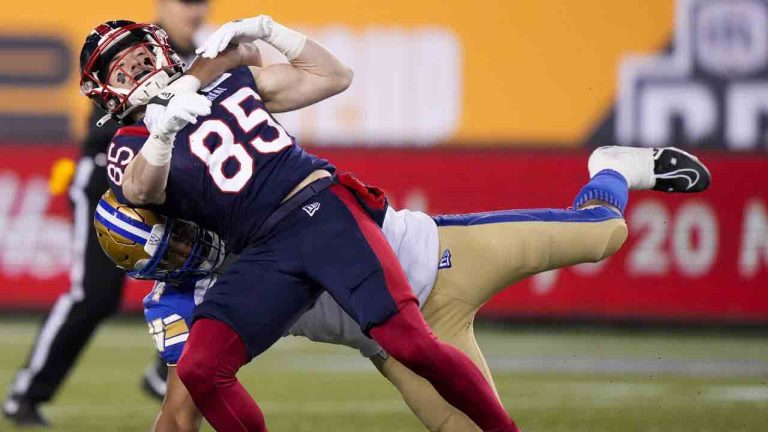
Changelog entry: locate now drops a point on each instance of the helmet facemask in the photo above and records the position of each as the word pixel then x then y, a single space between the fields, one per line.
pixel 147 83
pixel 132 40
pixel 179 251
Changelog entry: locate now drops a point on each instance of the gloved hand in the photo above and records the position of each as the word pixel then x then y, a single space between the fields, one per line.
pixel 239 31
pixel 182 108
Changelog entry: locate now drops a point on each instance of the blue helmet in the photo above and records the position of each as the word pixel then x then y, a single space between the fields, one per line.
pixel 150 246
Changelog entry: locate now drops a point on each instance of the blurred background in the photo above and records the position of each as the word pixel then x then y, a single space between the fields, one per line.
pixel 462 106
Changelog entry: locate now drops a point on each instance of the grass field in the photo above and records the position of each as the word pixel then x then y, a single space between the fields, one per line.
pixel 598 380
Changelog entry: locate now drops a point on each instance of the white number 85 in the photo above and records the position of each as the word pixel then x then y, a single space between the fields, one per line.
pixel 228 148
pixel 117 160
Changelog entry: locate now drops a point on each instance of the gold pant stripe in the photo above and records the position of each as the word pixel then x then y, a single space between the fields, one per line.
pixel 485 260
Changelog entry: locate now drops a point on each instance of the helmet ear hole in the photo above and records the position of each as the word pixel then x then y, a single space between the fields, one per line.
pixel 87 87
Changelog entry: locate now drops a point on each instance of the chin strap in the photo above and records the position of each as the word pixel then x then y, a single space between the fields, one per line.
pixel 103 120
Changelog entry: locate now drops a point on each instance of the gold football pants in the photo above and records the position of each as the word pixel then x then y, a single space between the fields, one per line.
pixel 485 259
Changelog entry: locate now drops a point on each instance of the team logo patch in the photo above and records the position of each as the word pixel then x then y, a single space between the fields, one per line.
pixel 445 260
pixel 154 239
pixel 311 209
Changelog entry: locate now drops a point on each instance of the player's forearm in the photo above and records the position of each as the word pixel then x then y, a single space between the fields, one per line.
pixel 314 73
pixel 317 60
pixel 178 412
pixel 309 56
pixel 144 183
pixel 250 54
pixel 207 70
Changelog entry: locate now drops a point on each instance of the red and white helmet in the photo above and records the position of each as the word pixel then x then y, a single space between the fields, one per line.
pixel 98 62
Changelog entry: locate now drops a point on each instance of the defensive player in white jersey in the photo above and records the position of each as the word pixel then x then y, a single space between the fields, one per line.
pixel 454 263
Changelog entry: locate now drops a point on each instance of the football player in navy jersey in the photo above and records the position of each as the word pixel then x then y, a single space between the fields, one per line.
pixel 454 263
pixel 217 157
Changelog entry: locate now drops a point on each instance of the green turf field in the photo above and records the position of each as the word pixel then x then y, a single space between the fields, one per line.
pixel 549 380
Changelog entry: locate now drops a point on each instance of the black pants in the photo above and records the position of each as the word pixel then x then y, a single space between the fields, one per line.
pixel 95 293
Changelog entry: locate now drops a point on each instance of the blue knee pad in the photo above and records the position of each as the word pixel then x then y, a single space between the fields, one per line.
pixel 607 185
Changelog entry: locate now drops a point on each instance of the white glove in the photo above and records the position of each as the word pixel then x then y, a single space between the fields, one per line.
pixel 157 105
pixel 166 114
pixel 239 31
pixel 182 109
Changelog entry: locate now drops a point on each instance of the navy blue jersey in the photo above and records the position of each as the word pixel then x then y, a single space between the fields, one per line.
pixel 229 171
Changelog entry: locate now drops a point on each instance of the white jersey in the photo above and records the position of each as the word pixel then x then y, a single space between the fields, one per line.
pixel 413 237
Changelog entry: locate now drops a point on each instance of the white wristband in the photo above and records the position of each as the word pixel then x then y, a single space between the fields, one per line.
pixel 287 41
pixel 157 149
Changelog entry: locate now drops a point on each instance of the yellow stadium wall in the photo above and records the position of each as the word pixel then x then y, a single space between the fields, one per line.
pixel 534 71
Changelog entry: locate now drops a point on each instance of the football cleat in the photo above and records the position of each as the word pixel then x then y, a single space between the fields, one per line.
pixel 23 413
pixel 677 171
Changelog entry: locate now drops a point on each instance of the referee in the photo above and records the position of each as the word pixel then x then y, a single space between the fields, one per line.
pixel 96 283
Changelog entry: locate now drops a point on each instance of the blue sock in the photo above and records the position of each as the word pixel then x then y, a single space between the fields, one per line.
pixel 607 185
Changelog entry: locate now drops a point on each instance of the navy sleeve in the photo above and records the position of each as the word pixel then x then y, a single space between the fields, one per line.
pixel 125 145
